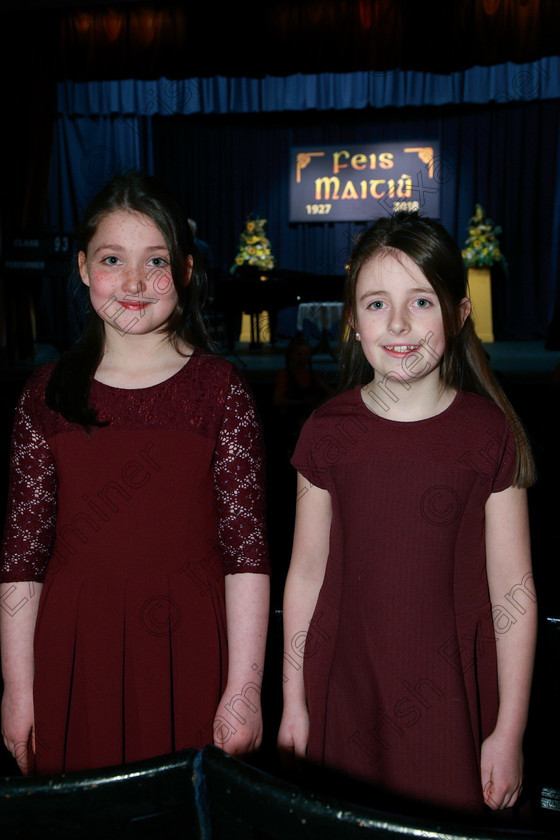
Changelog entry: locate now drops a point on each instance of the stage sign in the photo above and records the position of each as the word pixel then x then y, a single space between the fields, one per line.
pixel 361 182
pixel 38 255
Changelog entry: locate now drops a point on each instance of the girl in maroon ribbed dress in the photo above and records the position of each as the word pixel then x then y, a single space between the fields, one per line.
pixel 134 566
pixel 409 609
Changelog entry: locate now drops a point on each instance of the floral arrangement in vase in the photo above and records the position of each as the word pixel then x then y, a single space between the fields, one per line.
pixel 254 247
pixel 482 248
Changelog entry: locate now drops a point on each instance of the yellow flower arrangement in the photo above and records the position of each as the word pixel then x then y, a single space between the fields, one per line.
pixel 482 248
pixel 254 247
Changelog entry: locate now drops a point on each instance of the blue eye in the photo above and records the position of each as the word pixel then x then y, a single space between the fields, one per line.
pixel 422 303
pixel 377 304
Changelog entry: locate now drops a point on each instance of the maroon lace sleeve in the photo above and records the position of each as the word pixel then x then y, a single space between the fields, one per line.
pixel 240 485
pixel 31 512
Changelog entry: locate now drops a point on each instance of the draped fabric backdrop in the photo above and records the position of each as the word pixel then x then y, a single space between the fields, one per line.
pixel 223 144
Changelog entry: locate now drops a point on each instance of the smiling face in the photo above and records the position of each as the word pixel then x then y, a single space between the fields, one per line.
pixel 127 269
pixel 399 319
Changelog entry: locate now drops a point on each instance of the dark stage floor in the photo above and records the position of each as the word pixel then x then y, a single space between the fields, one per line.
pixel 522 360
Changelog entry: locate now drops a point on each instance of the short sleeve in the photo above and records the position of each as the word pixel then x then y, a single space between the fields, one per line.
pixel 308 458
pixel 239 477
pixel 507 460
pixel 31 511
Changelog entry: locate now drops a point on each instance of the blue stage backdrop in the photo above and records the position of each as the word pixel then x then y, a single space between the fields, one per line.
pixel 225 146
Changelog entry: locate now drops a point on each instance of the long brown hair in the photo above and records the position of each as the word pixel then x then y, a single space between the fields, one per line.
pixel 70 383
pixel 464 365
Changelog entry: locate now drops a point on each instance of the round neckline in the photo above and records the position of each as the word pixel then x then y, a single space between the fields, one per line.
pixel 166 381
pixel 397 423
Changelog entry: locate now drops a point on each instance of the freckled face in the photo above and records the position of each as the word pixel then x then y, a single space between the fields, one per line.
pixel 127 269
pixel 399 318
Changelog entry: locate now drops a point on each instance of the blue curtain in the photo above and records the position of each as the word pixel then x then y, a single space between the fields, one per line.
pixel 87 151
pixel 500 83
pixel 504 157
pixel 223 145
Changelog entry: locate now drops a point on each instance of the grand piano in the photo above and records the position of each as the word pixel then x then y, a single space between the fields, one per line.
pixel 253 291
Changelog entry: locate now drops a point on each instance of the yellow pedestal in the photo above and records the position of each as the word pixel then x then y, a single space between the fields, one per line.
pixel 263 328
pixel 245 334
pixel 480 294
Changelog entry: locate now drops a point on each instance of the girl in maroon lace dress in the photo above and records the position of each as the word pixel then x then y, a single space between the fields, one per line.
pixel 411 536
pixel 134 566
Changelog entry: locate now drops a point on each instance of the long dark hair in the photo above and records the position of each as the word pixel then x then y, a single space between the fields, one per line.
pixel 70 382
pixel 464 365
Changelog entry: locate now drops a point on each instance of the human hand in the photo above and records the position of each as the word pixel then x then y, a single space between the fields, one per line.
pixel 501 771
pixel 293 734
pixel 18 729
pixel 244 734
